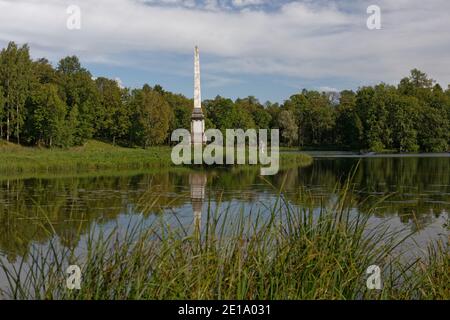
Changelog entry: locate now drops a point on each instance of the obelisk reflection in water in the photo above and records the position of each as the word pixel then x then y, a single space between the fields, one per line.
pixel 197 182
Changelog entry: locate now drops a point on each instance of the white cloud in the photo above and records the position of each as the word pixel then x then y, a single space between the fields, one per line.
pixel 119 82
pixel 306 39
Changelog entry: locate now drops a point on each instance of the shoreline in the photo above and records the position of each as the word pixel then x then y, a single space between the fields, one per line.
pixel 355 154
pixel 96 158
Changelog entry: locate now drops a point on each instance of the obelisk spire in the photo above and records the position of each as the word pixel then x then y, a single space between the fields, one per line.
pixel 197 118
pixel 197 90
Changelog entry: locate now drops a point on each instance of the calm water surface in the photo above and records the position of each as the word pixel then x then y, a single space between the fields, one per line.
pixel 32 211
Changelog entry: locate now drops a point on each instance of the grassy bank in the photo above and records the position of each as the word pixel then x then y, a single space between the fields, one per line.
pixel 290 253
pixel 95 157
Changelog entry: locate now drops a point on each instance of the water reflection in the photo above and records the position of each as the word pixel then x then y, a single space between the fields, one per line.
pixel 35 210
pixel 197 183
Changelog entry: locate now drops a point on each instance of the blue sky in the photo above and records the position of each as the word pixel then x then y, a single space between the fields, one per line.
pixel 265 48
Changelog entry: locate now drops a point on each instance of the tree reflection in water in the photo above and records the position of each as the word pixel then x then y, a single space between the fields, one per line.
pixel 35 210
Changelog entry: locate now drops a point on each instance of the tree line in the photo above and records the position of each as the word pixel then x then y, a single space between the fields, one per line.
pixel 64 106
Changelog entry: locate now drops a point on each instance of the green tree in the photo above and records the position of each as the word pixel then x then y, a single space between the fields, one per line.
pixel 78 88
pixel 434 132
pixel 2 111
pixel 43 72
pixel 152 117
pixel 113 120
pixel 314 116
pixel 261 118
pixel 403 119
pixel 274 110
pixel 48 117
pixel 72 126
pixel 417 84
pixel 15 72
pixel 288 127
pixel 420 79
pixel 182 110
pixel 349 128
pixel 373 112
pixel 222 113
pixel 225 114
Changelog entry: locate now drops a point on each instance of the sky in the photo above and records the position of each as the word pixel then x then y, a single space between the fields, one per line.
pixel 265 48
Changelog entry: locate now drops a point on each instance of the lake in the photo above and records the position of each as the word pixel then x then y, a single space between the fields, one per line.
pixel 410 192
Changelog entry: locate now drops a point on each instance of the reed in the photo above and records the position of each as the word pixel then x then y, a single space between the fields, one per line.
pixel 284 252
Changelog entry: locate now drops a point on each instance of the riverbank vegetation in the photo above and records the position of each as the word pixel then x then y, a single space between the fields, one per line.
pixel 92 156
pixel 99 157
pixel 64 106
pixel 287 253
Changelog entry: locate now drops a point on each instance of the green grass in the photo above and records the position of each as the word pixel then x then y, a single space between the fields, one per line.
pixel 95 157
pixel 293 253
pixel 292 160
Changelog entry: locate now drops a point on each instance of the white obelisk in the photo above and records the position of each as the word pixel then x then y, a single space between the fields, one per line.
pixel 197 118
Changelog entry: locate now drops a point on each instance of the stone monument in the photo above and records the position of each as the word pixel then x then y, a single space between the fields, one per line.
pixel 197 118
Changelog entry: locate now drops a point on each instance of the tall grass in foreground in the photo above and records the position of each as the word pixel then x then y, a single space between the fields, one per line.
pixel 288 253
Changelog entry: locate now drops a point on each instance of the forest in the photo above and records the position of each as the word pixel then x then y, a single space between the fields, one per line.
pixel 64 106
